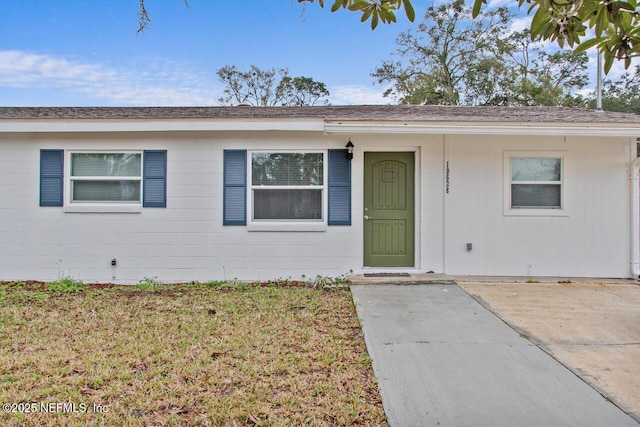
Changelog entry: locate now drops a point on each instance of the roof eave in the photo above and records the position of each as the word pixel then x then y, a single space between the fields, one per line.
pixel 484 128
pixel 319 125
pixel 176 125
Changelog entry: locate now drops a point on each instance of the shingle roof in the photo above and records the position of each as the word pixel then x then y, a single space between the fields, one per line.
pixel 393 113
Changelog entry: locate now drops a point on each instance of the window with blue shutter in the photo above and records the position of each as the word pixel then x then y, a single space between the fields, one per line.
pixel 235 187
pixel 51 177
pixel 154 179
pixel 339 187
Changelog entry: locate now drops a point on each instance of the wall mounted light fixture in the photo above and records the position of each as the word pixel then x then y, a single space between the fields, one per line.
pixel 350 147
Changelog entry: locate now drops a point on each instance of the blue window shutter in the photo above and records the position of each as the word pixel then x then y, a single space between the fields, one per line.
pixel 339 188
pixel 235 187
pixel 51 177
pixel 154 185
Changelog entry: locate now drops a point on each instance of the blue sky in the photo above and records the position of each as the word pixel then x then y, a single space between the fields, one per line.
pixel 86 52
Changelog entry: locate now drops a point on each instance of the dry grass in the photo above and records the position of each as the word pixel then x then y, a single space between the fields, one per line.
pixel 188 355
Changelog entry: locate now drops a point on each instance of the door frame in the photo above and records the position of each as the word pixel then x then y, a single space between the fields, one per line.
pixel 417 204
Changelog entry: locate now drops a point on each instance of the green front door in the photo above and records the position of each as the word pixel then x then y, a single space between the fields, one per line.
pixel 389 209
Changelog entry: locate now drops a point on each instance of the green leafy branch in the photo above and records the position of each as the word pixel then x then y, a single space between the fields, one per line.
pixel 615 25
pixel 375 10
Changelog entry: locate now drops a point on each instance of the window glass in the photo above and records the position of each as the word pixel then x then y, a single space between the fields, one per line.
pixel 535 196
pixel 106 191
pixel 105 164
pixel 535 169
pixel 536 183
pixel 100 177
pixel 287 169
pixel 287 186
pixel 287 204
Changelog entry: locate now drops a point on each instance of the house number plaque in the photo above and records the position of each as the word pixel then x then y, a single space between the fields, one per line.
pixel 447 178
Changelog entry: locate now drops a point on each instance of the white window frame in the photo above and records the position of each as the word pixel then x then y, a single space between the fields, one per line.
pixel 286 225
pixel 508 210
pixel 100 206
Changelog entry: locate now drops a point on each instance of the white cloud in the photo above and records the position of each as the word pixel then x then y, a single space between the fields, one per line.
pixel 357 95
pixel 141 82
pixel 155 82
pixel 494 4
pixel 520 24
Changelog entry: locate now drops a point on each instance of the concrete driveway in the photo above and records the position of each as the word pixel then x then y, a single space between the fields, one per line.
pixel 591 327
pixel 442 359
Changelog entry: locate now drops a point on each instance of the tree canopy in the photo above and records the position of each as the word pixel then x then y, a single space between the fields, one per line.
pixel 450 59
pixel 620 95
pixel 269 87
pixel 615 23
pixel 438 61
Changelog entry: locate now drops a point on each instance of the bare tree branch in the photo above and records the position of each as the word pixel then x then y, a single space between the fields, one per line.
pixel 144 19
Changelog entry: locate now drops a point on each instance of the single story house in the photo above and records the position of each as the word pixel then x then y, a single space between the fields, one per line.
pixel 214 193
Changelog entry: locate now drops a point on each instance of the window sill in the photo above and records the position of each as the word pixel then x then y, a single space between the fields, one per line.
pixel 103 209
pixel 536 212
pixel 286 226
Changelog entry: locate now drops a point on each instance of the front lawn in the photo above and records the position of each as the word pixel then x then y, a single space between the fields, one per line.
pixel 183 355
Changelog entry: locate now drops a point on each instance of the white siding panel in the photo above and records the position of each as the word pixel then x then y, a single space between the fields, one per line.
pixel 186 240
pixel 593 240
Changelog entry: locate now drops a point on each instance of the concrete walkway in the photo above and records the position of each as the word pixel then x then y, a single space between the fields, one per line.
pixel 442 359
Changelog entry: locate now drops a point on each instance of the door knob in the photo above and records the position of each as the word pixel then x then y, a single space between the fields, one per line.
pixel 367 218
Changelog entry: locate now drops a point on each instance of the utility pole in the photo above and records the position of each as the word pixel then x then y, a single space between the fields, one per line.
pixel 599 83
